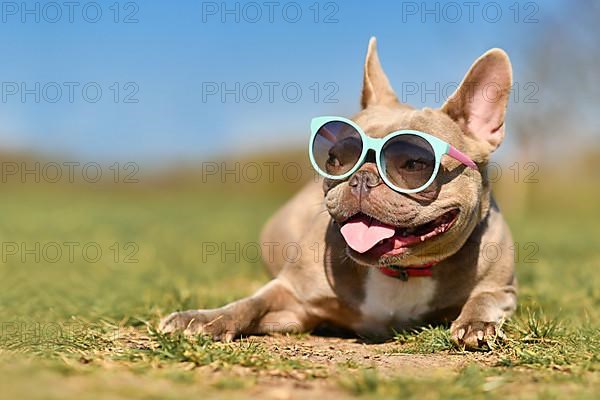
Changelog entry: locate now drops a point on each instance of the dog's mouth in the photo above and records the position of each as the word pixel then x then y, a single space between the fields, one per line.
pixel 367 235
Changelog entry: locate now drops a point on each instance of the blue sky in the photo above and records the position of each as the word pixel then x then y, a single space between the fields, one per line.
pixel 177 50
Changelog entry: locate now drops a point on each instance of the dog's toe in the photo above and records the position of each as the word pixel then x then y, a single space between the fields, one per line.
pixel 474 335
pixel 217 325
pixel 177 321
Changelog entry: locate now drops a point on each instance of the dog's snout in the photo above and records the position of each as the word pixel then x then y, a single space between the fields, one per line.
pixel 363 181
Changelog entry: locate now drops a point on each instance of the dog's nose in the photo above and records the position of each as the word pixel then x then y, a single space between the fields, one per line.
pixel 363 181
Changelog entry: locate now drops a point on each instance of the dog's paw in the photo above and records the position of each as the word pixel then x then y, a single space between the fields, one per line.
pixel 214 323
pixel 474 335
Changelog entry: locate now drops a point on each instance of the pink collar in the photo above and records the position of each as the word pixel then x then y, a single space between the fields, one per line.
pixel 413 271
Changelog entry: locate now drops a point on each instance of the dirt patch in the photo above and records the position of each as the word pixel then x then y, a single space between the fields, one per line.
pixel 327 362
pixel 385 358
pixel 286 367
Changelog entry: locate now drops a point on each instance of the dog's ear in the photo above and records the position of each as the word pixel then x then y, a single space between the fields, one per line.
pixel 479 103
pixel 376 86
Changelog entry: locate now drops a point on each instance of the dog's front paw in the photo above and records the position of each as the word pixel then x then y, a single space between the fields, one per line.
pixel 473 335
pixel 214 323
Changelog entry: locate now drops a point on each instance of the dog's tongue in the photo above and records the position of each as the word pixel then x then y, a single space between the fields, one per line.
pixel 363 233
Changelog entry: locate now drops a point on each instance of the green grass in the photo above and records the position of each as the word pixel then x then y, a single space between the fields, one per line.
pixel 429 339
pixel 202 351
pixel 474 382
pixel 80 329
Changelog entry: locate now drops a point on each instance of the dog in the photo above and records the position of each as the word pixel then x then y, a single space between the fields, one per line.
pixel 446 277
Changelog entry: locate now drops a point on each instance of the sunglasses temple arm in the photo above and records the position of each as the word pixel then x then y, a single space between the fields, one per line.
pixel 460 156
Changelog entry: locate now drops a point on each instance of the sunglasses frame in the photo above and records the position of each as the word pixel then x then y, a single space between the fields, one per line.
pixel 439 147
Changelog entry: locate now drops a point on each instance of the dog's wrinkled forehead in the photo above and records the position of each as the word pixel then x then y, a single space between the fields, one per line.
pixel 379 122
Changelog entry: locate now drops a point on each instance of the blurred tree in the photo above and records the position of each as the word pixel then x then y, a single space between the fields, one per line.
pixel 565 67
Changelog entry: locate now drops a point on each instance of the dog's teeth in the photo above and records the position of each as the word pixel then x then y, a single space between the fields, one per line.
pixel 380 242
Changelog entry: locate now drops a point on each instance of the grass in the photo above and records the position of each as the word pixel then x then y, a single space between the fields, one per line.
pixel 201 351
pixel 429 339
pixel 73 328
pixel 473 382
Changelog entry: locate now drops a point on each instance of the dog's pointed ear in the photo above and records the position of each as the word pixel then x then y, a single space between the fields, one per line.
pixel 479 103
pixel 376 86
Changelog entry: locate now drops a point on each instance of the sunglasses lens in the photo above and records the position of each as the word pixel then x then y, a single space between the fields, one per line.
pixel 409 161
pixel 336 148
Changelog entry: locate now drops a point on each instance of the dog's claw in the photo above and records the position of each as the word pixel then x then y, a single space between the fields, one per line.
pixel 475 334
pixel 170 323
pixel 229 336
pixel 200 322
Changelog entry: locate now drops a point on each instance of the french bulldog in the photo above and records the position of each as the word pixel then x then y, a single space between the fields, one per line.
pixel 446 275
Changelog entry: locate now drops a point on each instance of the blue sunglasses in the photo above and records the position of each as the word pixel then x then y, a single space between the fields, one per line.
pixel 407 160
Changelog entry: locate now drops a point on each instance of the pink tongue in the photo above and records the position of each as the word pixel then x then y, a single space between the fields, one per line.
pixel 363 233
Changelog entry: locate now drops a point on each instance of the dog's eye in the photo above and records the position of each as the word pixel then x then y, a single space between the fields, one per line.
pixel 333 161
pixel 343 155
pixel 414 165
